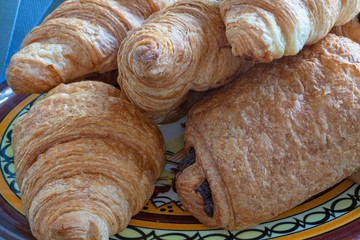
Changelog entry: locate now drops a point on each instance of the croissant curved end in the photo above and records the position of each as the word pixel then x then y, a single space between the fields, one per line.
pixel 268 43
pixel 79 225
pixel 17 77
pixel 147 52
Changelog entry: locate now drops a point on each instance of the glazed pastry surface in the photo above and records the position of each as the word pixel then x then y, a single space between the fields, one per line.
pixel 180 48
pixel 278 135
pixel 86 161
pixel 263 30
pixel 77 39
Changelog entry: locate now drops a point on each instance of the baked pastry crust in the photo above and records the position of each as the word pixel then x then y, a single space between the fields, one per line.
pixel 280 134
pixel 178 49
pixel 77 39
pixel 263 30
pixel 86 161
pixel 350 29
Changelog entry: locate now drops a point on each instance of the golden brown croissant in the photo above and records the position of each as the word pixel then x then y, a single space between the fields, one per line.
pixel 86 161
pixel 350 29
pixel 263 30
pixel 78 38
pixel 275 137
pixel 180 48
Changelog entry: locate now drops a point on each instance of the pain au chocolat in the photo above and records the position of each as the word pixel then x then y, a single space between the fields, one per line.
pixel 280 134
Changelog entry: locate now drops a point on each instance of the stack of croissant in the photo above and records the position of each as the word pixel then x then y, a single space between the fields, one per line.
pixel 272 100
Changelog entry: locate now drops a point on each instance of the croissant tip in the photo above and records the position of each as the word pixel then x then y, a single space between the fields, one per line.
pixel 78 225
pixel 147 53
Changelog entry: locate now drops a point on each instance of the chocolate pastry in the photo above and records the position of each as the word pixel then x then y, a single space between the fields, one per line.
pixel 275 137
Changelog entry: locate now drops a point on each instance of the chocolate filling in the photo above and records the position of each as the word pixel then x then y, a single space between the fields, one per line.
pixel 205 192
pixel 358 16
pixel 203 189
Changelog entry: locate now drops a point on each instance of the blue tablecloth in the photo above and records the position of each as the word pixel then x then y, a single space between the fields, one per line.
pixel 17 18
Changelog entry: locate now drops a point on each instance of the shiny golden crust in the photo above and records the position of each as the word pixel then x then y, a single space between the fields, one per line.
pixel 263 30
pixel 78 38
pixel 181 48
pixel 86 161
pixel 278 135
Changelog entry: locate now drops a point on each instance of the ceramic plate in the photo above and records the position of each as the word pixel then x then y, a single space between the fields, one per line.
pixel 333 214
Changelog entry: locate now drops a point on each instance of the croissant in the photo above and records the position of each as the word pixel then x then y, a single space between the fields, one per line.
pixel 86 161
pixel 263 30
pixel 350 29
pixel 77 39
pixel 270 140
pixel 180 48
